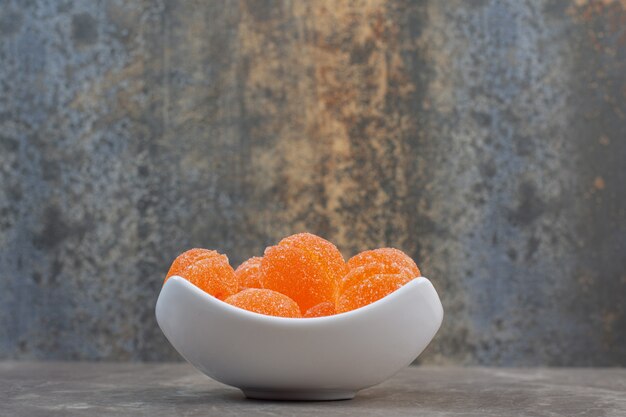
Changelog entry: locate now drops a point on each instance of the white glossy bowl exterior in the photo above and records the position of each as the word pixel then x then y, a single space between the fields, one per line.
pixel 323 358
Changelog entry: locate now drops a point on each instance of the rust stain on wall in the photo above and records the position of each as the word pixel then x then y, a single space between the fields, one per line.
pixel 339 79
pixel 610 19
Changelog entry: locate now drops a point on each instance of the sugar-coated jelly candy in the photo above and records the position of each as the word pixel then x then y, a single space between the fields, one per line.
pixel 186 258
pixel 249 273
pixel 321 310
pixel 304 267
pixel 386 256
pixel 321 250
pixel 291 271
pixel 369 290
pixel 268 302
pixel 213 275
pixel 358 274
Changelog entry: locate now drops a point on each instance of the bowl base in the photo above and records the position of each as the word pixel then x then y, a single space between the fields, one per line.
pixel 321 395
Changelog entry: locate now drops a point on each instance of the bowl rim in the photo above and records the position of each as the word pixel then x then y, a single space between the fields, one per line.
pixel 296 321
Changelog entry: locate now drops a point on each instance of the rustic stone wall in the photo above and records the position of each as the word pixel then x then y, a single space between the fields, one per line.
pixel 485 138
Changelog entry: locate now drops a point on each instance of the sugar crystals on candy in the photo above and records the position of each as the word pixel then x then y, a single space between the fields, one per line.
pixel 249 273
pixel 386 256
pixel 186 258
pixel 326 308
pixel 361 273
pixel 304 275
pixel 369 290
pixel 266 302
pixel 213 275
pixel 304 267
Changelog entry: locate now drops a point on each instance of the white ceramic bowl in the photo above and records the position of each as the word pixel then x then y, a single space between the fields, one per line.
pixel 324 358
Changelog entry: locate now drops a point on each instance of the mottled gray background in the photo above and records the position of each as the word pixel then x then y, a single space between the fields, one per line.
pixel 484 138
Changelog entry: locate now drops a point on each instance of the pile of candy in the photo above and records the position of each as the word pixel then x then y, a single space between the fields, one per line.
pixel 303 276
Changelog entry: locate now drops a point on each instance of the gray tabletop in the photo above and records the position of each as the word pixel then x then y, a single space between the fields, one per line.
pixel 108 389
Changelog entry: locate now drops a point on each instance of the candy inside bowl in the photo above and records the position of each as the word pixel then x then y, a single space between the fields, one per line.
pixel 323 358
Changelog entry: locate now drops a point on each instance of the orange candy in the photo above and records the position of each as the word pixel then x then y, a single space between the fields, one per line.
pixel 369 290
pixel 321 310
pixel 321 250
pixel 213 275
pixel 303 273
pixel 249 273
pixel 186 258
pixel 361 273
pixel 266 302
pixel 386 256
pixel 304 267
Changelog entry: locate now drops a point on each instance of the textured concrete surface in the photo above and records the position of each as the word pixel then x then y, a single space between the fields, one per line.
pixel 73 389
pixel 485 138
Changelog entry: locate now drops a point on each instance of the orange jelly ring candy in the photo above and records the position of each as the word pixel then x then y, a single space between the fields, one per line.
pixel 387 256
pixel 213 275
pixel 321 310
pixel 370 290
pixel 295 273
pixel 186 258
pixel 360 273
pixel 268 302
pixel 321 250
pixel 249 274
